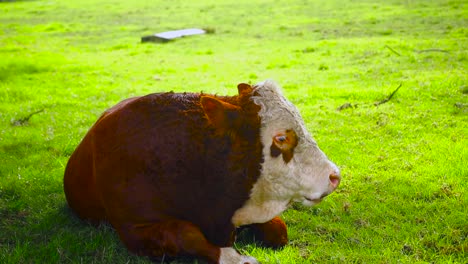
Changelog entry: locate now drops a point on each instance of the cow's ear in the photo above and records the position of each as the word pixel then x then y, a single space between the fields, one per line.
pixel 221 115
pixel 244 88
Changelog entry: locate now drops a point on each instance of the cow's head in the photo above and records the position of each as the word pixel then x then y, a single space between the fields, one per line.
pixel 294 168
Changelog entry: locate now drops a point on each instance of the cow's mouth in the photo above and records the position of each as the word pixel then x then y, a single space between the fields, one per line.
pixel 316 200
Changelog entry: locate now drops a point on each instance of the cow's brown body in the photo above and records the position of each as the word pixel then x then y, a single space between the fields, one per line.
pixel 169 171
pixel 152 162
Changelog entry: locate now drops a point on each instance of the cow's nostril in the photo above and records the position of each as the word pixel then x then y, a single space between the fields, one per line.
pixel 335 180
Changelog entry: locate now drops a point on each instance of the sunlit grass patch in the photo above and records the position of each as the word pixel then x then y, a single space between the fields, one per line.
pixel 403 196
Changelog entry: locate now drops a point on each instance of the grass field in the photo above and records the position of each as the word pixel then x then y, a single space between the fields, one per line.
pixel 404 196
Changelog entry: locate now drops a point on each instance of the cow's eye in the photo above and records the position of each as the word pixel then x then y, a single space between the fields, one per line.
pixel 281 139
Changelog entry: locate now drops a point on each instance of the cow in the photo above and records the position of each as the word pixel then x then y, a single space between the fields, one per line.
pixel 180 173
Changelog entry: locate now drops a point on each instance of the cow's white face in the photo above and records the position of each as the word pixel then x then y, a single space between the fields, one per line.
pixel 294 168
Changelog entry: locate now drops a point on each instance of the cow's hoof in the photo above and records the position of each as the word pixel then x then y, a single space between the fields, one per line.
pixel 230 256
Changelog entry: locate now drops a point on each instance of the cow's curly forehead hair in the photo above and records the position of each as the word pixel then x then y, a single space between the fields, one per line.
pixel 276 110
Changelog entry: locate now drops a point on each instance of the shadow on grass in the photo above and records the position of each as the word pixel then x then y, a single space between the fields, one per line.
pixel 52 233
pixel 14 69
pixel 77 240
pixel 106 247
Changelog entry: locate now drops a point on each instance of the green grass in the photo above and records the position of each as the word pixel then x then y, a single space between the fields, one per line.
pixel 405 163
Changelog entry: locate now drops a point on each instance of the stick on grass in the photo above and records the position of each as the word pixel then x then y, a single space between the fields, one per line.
pixel 389 97
pixel 392 50
pixel 432 50
pixel 25 119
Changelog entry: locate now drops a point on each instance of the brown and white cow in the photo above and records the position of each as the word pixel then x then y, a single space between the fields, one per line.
pixel 177 173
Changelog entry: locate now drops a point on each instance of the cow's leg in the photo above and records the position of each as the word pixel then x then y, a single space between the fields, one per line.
pixel 174 238
pixel 273 233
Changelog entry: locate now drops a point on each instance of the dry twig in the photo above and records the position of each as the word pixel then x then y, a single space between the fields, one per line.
pixel 25 119
pixel 392 50
pixel 389 97
pixel 431 50
pixel 345 106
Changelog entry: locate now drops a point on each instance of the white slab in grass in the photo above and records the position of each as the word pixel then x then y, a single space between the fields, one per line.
pixel 170 35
